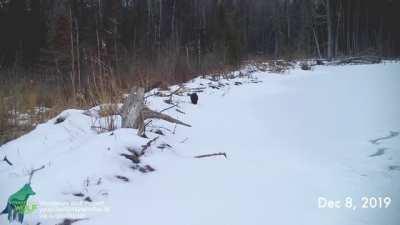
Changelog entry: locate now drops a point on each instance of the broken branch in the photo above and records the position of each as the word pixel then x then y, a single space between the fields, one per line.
pixel 7 161
pixel 173 106
pixel 211 155
pixel 33 172
pixel 146 146
pixel 147 114
pixel 134 112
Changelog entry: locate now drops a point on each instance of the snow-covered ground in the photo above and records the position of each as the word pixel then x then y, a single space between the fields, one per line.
pixel 291 140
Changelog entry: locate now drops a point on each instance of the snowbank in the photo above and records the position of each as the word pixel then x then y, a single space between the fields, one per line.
pixel 290 139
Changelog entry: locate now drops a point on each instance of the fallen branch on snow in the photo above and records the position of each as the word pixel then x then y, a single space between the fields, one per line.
pixel 135 156
pixel 33 172
pixel 211 155
pixel 173 106
pixel 146 146
pixel 7 161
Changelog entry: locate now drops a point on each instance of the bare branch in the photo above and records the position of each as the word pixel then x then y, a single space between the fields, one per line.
pixel 33 172
pixel 148 113
pixel 7 161
pixel 173 106
pixel 134 112
pixel 146 146
pixel 211 155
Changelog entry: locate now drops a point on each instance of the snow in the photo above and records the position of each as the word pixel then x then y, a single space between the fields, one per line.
pixel 289 138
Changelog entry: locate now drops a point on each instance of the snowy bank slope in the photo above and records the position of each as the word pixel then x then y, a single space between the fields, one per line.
pixel 290 139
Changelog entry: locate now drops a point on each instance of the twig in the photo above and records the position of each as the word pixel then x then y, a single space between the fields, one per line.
pixel 211 155
pixel 100 128
pixel 146 146
pixel 174 92
pixel 144 127
pixel 7 161
pixel 173 106
pixel 161 127
pixel 33 172
pixel 180 111
pixel 184 140
pixel 169 100
pixel 148 123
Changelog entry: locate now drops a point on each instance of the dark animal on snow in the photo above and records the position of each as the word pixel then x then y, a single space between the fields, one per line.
pixel 194 98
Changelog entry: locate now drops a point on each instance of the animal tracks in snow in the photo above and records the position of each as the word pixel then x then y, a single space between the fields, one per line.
pixel 379 140
pixel 381 151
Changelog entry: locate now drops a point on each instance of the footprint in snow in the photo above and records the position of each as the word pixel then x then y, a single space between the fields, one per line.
pixel 381 151
pixel 377 141
pixel 394 167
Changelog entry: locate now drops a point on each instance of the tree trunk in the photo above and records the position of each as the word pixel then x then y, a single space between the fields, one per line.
pixel 78 56
pixel 134 112
pixel 132 108
pixel 330 30
pixel 72 52
pixel 316 42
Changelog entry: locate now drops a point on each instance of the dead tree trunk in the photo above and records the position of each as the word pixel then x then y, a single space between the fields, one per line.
pixel 134 112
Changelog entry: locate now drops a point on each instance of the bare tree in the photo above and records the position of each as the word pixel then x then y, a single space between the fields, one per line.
pixel 329 25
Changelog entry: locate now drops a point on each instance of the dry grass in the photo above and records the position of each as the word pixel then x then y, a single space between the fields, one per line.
pixel 24 103
pixel 29 98
pixel 22 106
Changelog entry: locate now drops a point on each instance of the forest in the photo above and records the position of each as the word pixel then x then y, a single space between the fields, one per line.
pixel 81 52
pixel 199 112
pixel 70 36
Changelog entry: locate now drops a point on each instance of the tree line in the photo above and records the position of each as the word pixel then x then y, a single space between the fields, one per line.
pixel 76 37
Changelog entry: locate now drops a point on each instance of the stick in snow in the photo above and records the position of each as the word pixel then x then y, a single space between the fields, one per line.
pixel 7 161
pixel 146 146
pixel 33 172
pixel 173 106
pixel 211 155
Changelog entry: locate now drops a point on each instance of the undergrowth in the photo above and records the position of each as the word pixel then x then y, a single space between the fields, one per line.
pixel 35 98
